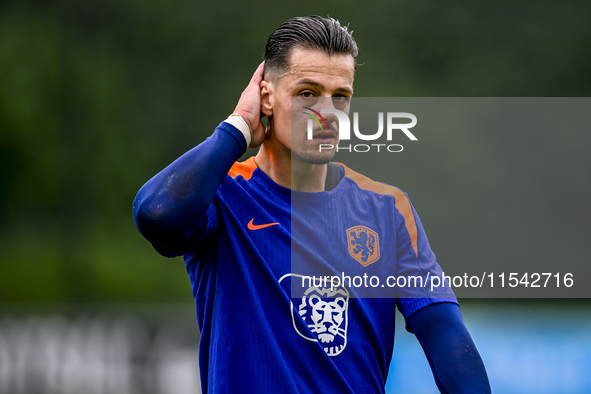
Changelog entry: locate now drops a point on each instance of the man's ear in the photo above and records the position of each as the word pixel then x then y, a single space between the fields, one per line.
pixel 267 96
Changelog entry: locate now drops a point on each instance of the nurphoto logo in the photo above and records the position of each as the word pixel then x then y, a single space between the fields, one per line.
pixel 345 130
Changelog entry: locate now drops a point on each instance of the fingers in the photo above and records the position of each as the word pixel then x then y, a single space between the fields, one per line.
pixel 257 77
pixel 249 106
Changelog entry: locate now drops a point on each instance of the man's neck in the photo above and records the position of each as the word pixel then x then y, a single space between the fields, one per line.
pixel 291 173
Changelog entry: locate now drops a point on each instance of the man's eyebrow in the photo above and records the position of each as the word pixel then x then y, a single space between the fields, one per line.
pixel 319 85
pixel 310 82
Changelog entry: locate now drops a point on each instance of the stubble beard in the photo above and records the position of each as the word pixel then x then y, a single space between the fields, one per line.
pixel 314 157
pixel 310 153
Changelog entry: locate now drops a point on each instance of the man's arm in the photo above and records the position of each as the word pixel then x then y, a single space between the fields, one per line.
pixel 452 355
pixel 170 210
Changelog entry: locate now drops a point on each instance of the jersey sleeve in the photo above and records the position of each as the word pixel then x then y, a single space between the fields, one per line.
pixel 451 353
pixel 416 262
pixel 174 210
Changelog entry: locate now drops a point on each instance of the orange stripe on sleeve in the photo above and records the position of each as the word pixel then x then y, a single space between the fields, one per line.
pixel 402 202
pixel 246 168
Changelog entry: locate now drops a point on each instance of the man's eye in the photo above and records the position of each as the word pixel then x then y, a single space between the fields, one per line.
pixel 340 98
pixel 307 94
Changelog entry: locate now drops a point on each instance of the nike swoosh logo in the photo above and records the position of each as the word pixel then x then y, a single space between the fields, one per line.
pixel 252 226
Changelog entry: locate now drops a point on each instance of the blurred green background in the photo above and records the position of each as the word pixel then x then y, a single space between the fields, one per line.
pixel 98 96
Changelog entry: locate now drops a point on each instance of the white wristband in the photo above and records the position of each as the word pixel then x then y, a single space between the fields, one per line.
pixel 239 122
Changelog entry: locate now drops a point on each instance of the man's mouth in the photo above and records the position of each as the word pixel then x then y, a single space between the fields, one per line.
pixel 324 137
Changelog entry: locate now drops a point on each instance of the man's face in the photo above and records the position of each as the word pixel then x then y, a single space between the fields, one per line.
pixel 315 81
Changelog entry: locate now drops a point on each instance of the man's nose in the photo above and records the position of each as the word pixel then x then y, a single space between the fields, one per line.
pixel 327 103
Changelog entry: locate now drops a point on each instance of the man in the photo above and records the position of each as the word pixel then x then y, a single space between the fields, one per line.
pixel 240 234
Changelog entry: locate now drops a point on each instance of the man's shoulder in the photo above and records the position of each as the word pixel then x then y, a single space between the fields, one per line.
pixel 366 183
pixel 244 169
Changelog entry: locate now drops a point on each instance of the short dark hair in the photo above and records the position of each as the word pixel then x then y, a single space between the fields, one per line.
pixel 308 32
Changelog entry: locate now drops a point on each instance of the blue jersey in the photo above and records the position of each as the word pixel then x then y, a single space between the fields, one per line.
pixel 258 243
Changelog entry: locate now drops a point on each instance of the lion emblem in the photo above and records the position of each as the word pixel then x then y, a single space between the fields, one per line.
pixel 323 311
pixel 363 244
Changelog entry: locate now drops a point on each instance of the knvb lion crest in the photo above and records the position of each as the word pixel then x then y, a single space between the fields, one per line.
pixel 363 244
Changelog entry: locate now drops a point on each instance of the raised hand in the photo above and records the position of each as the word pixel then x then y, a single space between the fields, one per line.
pixel 249 107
